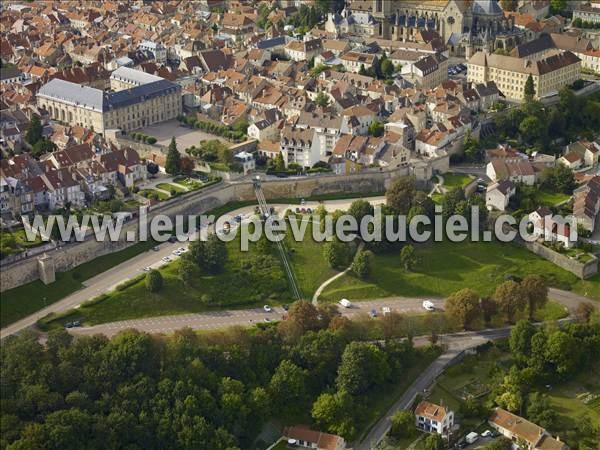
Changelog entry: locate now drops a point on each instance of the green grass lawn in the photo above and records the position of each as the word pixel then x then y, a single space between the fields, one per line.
pixel 437 198
pixel 162 196
pixel 24 300
pixel 573 400
pixel 168 186
pixel 309 264
pixel 552 198
pixel 456 180
pixel 188 182
pixel 445 267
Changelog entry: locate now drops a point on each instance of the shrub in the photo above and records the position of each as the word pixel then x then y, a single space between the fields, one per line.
pixel 154 281
pixel 151 140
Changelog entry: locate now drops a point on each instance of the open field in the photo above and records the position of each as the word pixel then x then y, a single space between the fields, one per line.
pixel 445 267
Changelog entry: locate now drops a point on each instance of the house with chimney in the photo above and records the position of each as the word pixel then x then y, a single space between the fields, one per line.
pixel 524 434
pixel 432 418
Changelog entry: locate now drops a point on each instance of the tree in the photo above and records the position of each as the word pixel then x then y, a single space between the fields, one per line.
pixel 154 281
pixel 322 99
pixel 288 388
pixel 43 146
pixel 334 412
pixel 408 257
pixel 529 89
pixel 540 411
pixel 278 163
pixel 186 165
pixel 535 289
pixel 210 255
pixel 584 312
pixel 558 5
pixel 376 128
pixel 152 168
pixel 387 68
pixel 563 351
pixel 304 314
pixel 187 269
pixel 471 148
pixel 337 254
pixel 434 442
pixel 402 424
pixel 362 70
pixel 400 194
pixel 173 162
pixel 463 306
pixel 361 266
pixel 520 340
pixel 510 298
pixel 34 132
pixel 363 365
pixel 359 209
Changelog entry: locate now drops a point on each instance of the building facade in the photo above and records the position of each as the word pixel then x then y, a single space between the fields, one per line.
pixel 510 74
pixel 127 109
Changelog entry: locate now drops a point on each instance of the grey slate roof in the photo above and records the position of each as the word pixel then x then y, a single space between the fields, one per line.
pixel 73 93
pixel 100 101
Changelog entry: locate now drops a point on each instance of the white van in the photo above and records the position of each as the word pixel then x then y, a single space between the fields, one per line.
pixel 471 437
pixel 345 303
pixel 429 306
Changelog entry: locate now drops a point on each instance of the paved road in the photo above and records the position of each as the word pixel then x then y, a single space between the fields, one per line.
pixel 456 344
pixel 244 317
pixel 107 281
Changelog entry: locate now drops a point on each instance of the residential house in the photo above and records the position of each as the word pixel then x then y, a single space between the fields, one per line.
pixel 549 228
pixel 354 61
pixel 427 72
pixel 586 203
pixel 62 189
pixel 498 195
pixel 305 438
pixel 517 170
pixel 303 50
pixel 298 145
pixel 589 152
pixel 572 160
pixel 523 433
pixel 432 418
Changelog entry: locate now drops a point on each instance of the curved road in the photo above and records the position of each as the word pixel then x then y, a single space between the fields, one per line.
pixel 107 281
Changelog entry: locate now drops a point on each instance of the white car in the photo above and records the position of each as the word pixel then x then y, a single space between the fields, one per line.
pixel 486 433
pixel 166 259
pixel 385 310
pixel 176 252
pixel 429 306
pixel 267 308
pixel 182 249
pixel 146 269
pixel 345 303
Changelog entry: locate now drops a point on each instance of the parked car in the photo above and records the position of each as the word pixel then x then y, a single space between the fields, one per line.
pixel 77 323
pixel 386 310
pixel 266 319
pixel 285 307
pixel 471 437
pixel 345 303
pixel 429 306
pixel 69 325
pixel 373 313
pixel 486 433
pixel 267 308
pixel 155 248
pixel 173 239
pixel 166 259
pixel 146 269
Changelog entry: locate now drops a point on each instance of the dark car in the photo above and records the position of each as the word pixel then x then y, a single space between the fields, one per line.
pixel 285 307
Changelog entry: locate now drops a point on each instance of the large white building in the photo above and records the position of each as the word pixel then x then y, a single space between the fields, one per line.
pixel 510 73
pixel 142 101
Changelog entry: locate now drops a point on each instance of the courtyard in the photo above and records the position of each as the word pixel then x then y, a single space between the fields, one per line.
pixel 184 136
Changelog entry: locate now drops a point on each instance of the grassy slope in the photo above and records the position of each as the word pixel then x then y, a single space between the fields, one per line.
pixel 19 302
pixel 445 267
pixel 226 290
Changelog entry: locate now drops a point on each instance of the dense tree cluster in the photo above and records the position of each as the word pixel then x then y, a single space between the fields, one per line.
pixel 190 391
